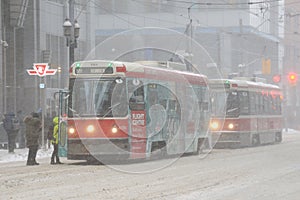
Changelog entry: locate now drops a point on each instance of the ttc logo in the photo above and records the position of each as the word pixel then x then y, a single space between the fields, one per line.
pixel 41 69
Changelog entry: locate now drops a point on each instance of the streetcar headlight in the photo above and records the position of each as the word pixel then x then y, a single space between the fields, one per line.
pixel 230 126
pixel 71 130
pixel 90 128
pixel 114 129
pixel 214 125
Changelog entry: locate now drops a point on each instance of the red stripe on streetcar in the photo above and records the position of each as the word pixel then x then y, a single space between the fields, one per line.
pixel 102 128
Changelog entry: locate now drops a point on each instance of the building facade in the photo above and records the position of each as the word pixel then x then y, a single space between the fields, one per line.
pixel 234 37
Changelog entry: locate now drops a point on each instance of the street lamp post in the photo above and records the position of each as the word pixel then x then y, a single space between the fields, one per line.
pixel 71 32
pixel 4 44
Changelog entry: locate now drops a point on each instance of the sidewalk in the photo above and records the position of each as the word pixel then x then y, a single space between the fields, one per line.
pixel 21 155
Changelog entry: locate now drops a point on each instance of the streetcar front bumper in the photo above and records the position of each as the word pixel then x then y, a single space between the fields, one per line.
pixel 84 149
pixel 230 139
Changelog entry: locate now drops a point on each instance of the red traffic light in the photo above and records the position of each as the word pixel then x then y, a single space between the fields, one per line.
pixel 276 78
pixel 292 77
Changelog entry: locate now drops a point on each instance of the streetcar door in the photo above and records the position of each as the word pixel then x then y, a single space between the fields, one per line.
pixel 137 120
pixel 62 119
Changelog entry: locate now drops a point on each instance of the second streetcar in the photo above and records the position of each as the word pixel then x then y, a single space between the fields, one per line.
pixel 245 113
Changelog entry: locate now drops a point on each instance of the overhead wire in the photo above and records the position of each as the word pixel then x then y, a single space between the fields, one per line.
pixel 210 3
pixel 239 50
pixel 181 7
pixel 83 8
pixel 112 13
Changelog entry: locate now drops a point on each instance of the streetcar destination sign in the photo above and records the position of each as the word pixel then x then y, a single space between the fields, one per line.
pixel 93 70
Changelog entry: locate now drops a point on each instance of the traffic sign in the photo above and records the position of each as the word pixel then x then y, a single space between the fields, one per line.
pixel 42 85
pixel 41 69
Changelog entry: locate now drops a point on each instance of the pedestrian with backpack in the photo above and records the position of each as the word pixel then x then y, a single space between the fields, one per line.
pixel 11 125
pixel 54 142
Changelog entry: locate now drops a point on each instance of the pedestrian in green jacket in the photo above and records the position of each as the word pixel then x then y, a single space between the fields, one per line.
pixel 54 142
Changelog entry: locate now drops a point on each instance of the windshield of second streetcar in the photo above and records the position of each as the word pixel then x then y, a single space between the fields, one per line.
pixel 233 103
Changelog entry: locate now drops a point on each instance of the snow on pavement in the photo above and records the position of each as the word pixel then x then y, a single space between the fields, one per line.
pixel 21 154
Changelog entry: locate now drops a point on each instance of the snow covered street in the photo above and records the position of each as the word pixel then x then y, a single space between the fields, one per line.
pixel 267 172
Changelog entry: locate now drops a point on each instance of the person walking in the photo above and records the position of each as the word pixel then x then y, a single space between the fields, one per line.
pixel 54 142
pixel 11 125
pixel 33 127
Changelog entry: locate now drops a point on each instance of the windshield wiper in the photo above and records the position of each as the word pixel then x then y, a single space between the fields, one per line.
pixel 74 112
pixel 231 110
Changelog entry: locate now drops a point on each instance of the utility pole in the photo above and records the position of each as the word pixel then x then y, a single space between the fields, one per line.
pixel 189 31
pixel 72 44
pixel 241 66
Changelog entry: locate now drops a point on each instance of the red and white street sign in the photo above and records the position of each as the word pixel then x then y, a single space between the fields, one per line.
pixel 41 69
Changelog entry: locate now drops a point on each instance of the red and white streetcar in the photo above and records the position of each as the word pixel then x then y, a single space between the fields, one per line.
pixel 134 110
pixel 245 112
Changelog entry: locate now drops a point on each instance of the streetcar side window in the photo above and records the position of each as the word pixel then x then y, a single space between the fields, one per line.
pixel 257 100
pixel 172 105
pixel 244 102
pixel 278 105
pixel 136 101
pixel 260 103
pixel 266 104
pixel 253 103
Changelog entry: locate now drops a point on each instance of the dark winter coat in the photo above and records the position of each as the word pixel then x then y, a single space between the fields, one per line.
pixel 33 127
pixel 11 123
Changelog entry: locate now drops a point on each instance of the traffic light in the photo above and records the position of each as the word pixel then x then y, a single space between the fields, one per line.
pixel 292 78
pixel 266 66
pixel 276 78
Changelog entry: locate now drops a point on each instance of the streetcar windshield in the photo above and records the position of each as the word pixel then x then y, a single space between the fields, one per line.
pixel 97 97
pixel 232 104
pixel 225 103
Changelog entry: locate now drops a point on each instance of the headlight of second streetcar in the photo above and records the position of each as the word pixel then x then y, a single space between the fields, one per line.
pixel 214 125
pixel 114 129
pixel 230 126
